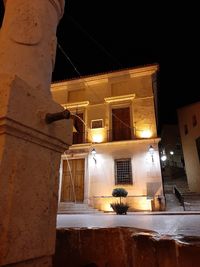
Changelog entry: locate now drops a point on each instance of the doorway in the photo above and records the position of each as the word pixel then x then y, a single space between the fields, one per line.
pixel 72 188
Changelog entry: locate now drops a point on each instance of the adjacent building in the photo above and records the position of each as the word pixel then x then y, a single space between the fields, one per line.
pixel 189 125
pixel 115 141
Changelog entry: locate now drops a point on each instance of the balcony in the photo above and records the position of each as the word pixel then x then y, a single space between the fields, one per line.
pixel 101 135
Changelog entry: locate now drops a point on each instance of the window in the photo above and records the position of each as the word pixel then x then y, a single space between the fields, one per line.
pixel 194 120
pixel 123 171
pixel 198 146
pixel 96 124
pixel 185 129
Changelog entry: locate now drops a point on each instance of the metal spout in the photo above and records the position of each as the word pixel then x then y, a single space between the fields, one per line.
pixel 51 117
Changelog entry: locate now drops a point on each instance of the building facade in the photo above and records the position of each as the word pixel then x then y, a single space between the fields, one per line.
pixel 114 127
pixel 189 125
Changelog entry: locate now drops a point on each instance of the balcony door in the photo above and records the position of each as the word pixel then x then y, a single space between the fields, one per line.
pixel 121 125
pixel 79 126
pixel 73 180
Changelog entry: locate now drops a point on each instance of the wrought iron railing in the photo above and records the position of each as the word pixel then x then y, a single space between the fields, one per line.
pixel 109 136
pixel 179 197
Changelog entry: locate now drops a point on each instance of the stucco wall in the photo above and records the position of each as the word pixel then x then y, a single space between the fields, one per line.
pixel 96 91
pixel 146 174
pixel 192 163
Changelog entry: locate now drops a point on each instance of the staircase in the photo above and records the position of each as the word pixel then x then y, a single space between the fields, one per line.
pixel 174 177
pixel 75 208
pixel 191 201
pixel 176 188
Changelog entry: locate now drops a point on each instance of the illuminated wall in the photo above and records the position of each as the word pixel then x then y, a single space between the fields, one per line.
pixel 145 172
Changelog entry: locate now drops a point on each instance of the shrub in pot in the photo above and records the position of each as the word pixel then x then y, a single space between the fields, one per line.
pixel 119 207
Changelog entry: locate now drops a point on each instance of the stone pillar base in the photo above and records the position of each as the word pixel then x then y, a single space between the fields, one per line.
pixel 41 262
pixel 30 153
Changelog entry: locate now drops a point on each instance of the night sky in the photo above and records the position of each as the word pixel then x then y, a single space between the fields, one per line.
pixel 106 35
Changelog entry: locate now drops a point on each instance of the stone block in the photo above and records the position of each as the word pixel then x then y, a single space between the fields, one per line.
pixel 30 152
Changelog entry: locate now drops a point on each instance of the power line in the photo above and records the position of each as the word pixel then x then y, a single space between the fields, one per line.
pixel 70 61
pixel 95 41
pixel 68 58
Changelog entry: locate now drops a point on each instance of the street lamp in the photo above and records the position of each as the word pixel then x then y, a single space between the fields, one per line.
pixel 163 156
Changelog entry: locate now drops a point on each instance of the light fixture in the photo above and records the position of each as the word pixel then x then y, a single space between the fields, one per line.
pixel 171 152
pixel 163 156
pixel 93 152
pixel 151 152
pixel 151 149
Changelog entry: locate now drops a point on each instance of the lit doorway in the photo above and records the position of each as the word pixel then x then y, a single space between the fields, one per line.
pixel 72 188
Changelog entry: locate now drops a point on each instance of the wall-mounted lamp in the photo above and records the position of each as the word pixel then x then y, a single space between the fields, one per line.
pixel 151 152
pixel 93 152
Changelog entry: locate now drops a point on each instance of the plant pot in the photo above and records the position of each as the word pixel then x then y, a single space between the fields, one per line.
pixel 120 208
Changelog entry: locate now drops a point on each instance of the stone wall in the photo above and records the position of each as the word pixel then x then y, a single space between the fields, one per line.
pixel 124 247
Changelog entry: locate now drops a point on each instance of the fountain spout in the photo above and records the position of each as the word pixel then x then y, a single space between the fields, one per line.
pixel 51 117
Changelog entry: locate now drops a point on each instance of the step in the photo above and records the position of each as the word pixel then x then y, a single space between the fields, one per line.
pixel 77 212
pixel 75 208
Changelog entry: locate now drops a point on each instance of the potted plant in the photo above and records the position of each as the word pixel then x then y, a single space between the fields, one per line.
pixel 119 207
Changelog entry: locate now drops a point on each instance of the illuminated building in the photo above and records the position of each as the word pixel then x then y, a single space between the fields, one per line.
pixel 114 115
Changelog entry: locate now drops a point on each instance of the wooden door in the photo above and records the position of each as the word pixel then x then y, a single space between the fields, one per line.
pixel 73 180
pixel 121 129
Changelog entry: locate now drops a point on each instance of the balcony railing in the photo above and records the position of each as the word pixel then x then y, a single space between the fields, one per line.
pixel 104 136
pixel 120 134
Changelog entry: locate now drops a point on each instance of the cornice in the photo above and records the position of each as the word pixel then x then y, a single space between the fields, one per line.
pixel 13 128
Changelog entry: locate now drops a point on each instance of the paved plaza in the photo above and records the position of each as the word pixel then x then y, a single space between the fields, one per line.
pixel 173 224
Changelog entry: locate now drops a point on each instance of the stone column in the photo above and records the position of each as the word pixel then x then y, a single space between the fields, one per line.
pixel 30 149
pixel 28 40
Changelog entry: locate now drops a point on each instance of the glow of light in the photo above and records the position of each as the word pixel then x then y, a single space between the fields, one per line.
pixel 171 152
pixel 163 157
pixel 146 134
pixel 97 138
pixel 144 204
pixel 141 204
pixel 106 207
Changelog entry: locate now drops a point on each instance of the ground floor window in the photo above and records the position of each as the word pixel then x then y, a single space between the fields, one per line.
pixel 123 171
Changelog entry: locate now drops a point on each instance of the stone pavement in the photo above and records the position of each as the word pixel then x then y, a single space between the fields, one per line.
pixel 187 224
